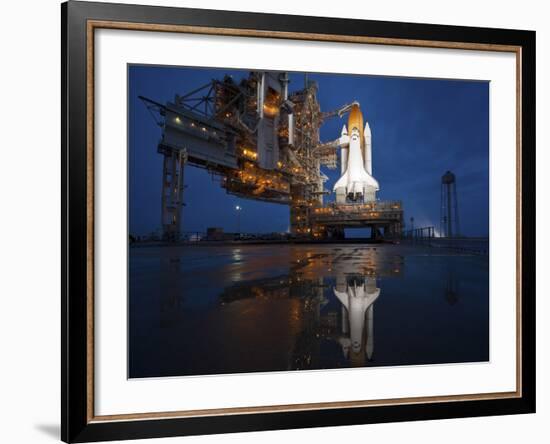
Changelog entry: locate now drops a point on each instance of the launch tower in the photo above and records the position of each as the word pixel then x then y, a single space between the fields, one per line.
pixel 263 142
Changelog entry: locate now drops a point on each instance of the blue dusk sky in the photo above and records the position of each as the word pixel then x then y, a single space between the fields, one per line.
pixel 420 129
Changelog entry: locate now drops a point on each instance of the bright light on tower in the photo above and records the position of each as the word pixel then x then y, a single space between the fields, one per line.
pixel 238 208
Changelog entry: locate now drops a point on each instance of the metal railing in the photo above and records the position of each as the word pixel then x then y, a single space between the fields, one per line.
pixel 421 234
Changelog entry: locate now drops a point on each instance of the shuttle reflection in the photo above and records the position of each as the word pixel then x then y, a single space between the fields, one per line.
pixel 333 297
pixel 357 301
pixel 356 287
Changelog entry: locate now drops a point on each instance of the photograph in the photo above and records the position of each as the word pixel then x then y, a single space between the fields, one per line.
pixel 282 221
pixel 276 221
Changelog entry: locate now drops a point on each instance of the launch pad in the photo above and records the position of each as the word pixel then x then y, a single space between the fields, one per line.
pixel 263 143
pixel 384 218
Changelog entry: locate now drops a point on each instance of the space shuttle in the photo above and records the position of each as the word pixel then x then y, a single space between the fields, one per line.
pixel 356 182
pixel 358 300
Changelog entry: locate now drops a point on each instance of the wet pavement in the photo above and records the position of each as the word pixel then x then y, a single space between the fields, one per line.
pixel 197 310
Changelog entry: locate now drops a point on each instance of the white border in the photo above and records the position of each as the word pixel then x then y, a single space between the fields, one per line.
pixel 115 394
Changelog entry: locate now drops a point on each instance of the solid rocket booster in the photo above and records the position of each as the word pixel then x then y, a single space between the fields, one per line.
pixel 344 151
pixel 368 149
pixel 355 142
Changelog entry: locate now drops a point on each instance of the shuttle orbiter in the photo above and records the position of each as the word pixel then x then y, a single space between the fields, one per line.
pixel 357 182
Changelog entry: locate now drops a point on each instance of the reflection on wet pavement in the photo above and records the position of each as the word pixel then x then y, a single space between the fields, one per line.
pixel 250 308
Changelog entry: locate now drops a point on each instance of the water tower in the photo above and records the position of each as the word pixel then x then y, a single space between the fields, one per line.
pixel 449 206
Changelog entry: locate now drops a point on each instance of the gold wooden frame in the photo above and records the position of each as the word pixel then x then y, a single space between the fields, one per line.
pixel 92 25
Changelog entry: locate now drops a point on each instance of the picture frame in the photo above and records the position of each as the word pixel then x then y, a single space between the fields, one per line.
pixel 80 20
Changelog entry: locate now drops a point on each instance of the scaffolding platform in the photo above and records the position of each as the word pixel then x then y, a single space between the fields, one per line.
pixel 385 218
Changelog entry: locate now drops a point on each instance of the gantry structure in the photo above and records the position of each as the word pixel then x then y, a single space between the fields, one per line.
pixel 262 142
